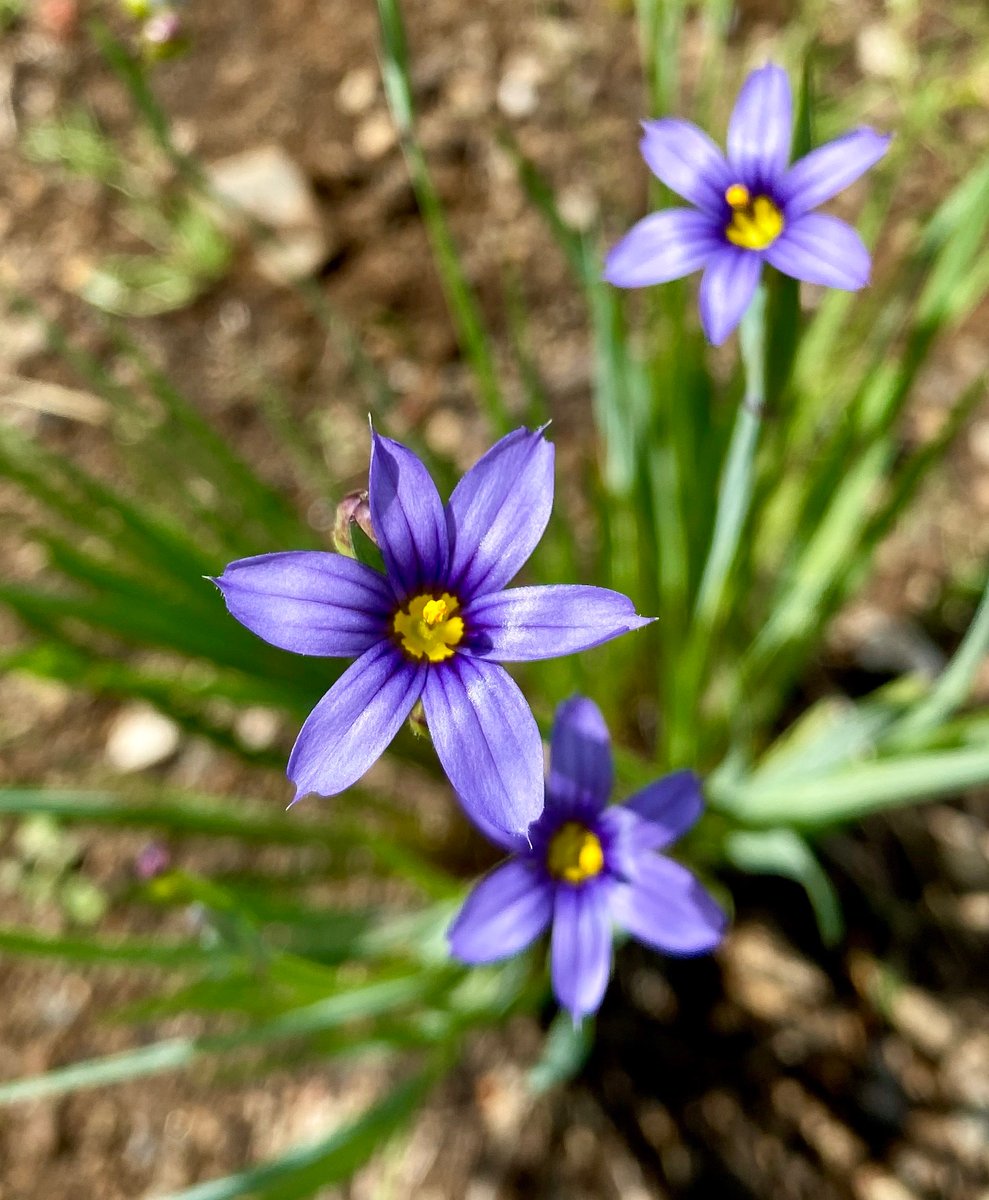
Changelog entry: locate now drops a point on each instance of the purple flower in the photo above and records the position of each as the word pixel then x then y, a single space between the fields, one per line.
pixel 749 208
pixel 152 861
pixel 590 867
pixel 435 626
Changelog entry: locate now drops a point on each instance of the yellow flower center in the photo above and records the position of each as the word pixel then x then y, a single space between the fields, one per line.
pixel 428 628
pixel 575 854
pixel 755 222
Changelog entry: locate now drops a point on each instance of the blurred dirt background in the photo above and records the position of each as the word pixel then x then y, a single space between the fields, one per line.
pixel 777 1070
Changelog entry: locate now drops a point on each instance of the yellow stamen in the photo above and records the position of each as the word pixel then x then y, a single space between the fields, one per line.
pixel 575 854
pixel 755 223
pixel 737 195
pixel 428 628
pixel 433 611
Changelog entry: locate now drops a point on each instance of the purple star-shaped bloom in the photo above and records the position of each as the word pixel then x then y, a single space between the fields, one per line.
pixel 590 867
pixel 750 207
pixel 435 626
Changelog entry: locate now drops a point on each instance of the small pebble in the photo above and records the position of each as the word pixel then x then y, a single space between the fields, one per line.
pixel 267 184
pixel 578 207
pixel 518 91
pixel 375 136
pixel 257 727
pixel 873 1183
pixel 140 737
pixel 882 52
pixel 357 91
pixel 978 441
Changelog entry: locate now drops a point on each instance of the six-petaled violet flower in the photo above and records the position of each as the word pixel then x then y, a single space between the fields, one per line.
pixel 435 626
pixel 590 867
pixel 750 206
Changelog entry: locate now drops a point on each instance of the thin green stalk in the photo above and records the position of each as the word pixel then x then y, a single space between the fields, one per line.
pixel 731 514
pixel 669 579
pixel 660 23
pixel 463 304
pixel 173 1054
pixel 735 493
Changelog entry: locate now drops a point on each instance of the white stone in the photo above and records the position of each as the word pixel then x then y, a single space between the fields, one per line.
pixel 375 136
pixel 265 184
pixel 518 91
pixel 978 441
pixel 882 52
pixel 257 727
pixel 294 254
pixel 34 395
pixel 578 207
pixel 23 338
pixel 357 90
pixel 140 737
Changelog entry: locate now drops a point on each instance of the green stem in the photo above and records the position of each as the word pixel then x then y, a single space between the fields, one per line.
pixel 735 493
pixel 734 501
pixel 660 23
pixel 460 298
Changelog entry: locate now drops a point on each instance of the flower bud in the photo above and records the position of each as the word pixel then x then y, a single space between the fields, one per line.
pixel 417 720
pixel 163 35
pixel 352 510
pixel 153 860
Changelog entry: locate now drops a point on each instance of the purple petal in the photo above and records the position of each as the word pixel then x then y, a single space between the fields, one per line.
pixel 509 908
pixel 408 518
pixel 527 623
pixel 670 806
pixel 498 512
pixel 661 247
pixel 581 947
pixel 760 127
pixel 729 283
pixel 355 721
pixel 822 249
pixel 487 740
pixel 625 838
pixel 513 843
pixel 309 601
pixel 829 169
pixel 687 161
pixel 666 907
pixel 580 766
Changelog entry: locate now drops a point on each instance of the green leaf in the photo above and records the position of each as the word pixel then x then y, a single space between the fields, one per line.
pixel 835 732
pixel 814 575
pixel 565 1050
pixel 140 285
pixel 782 852
pixel 86 948
pixel 76 143
pixel 953 686
pixel 185 813
pixel 735 490
pixel 347 1005
pixel 366 551
pixel 855 792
